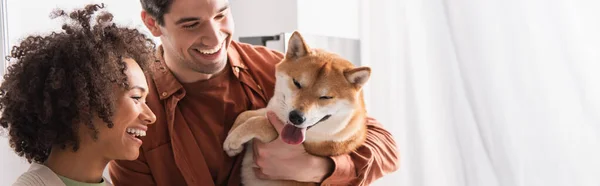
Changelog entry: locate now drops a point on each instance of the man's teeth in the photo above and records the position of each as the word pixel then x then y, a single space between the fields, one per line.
pixel 210 51
pixel 136 132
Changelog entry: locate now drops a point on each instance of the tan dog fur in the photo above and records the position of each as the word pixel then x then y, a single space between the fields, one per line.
pixel 330 85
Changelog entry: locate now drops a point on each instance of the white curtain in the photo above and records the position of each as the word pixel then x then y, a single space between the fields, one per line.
pixel 487 93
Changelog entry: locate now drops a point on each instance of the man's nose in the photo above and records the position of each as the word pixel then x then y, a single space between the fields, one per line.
pixel 211 34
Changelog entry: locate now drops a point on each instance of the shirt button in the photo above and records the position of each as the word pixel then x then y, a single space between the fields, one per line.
pixel 164 94
pixel 236 69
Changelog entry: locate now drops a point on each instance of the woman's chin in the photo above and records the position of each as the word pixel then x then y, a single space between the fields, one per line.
pixel 129 152
pixel 131 155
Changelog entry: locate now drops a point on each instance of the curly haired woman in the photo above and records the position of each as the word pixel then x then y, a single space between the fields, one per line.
pixel 75 100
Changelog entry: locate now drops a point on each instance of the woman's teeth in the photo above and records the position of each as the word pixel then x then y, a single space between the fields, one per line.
pixel 136 132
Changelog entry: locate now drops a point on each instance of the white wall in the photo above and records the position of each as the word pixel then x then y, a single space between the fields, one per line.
pixel 32 16
pixel 263 17
pixel 27 17
pixel 337 18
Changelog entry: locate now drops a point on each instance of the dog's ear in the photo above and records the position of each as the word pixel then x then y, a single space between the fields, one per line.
pixel 358 76
pixel 297 47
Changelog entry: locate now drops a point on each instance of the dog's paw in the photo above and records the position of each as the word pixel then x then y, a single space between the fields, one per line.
pixel 232 148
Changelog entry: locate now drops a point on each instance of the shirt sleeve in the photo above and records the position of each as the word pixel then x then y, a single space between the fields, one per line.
pixel 136 172
pixel 371 161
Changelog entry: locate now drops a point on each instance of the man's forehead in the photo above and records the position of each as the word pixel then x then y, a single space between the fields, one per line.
pixel 197 8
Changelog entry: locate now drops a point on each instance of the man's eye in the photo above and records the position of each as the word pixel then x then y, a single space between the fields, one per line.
pixel 190 26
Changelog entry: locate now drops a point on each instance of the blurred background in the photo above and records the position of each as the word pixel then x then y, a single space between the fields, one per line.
pixel 475 92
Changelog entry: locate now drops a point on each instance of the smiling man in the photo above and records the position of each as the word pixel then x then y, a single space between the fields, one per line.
pixel 202 81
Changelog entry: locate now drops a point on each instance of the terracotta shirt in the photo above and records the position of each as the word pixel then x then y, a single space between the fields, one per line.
pixel 184 146
pixel 220 100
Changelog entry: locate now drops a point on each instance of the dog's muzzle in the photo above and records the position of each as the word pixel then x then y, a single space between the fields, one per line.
pixel 321 120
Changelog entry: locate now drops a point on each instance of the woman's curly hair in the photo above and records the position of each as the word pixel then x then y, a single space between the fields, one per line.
pixel 61 81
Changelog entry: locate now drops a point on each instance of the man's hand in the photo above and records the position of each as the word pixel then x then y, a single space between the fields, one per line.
pixel 280 161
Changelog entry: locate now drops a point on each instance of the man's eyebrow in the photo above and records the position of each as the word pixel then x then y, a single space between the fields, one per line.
pixel 139 88
pixel 225 7
pixel 186 19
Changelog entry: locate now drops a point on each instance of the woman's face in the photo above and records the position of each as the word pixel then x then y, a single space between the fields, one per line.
pixel 130 118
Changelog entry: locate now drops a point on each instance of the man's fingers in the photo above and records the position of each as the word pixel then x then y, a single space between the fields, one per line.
pixel 274 120
pixel 255 145
pixel 256 167
pixel 259 174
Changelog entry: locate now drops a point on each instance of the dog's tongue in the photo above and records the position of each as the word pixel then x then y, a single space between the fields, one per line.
pixel 292 135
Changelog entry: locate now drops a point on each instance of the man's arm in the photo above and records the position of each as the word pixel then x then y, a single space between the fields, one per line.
pixel 134 172
pixel 376 158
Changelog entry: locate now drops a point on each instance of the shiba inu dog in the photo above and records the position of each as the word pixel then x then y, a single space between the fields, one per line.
pixel 318 95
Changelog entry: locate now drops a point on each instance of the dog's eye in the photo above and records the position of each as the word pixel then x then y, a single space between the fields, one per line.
pixel 297 84
pixel 325 97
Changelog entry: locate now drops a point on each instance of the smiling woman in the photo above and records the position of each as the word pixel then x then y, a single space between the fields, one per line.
pixel 74 100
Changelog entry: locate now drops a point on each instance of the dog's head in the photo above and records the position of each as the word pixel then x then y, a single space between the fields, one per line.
pixel 315 90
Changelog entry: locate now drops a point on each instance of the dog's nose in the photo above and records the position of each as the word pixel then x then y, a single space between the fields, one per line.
pixel 296 117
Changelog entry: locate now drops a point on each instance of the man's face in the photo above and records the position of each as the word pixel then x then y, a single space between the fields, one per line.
pixel 196 34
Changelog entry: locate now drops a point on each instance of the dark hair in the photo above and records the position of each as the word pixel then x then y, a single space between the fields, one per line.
pixel 63 80
pixel 157 9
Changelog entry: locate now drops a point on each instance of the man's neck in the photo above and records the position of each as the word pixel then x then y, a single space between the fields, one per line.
pixel 188 76
pixel 83 165
pixel 184 75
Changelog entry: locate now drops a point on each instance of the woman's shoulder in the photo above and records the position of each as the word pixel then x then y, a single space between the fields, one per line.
pixel 38 174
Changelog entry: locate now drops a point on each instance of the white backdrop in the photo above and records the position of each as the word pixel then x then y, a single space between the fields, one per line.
pixel 3 34
pixel 499 93
pixel 487 93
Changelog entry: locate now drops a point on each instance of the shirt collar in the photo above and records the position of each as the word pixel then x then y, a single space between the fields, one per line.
pixel 167 84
